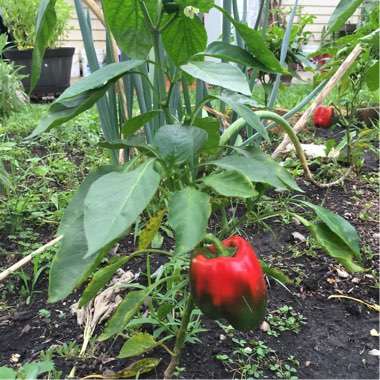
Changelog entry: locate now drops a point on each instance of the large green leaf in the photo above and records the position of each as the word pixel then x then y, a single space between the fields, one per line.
pixel 178 144
pixel 218 74
pixel 138 344
pixel 343 11
pixel 114 202
pixel 69 266
pixel 125 312
pixel 183 38
pixel 340 227
pixel 7 373
pixel 372 76
pixel 245 112
pixel 233 53
pixel 211 125
pixel 45 25
pixel 231 184
pixel 189 210
pixel 127 24
pixel 259 167
pixel 75 209
pixel 256 44
pixel 334 246
pixel 132 125
pixel 83 94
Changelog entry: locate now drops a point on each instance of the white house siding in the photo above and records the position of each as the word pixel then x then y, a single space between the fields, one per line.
pixel 322 9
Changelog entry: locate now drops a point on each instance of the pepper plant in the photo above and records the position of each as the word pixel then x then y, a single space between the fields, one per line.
pixel 187 170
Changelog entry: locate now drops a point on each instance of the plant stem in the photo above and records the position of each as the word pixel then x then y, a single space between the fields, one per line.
pixel 220 248
pixel 158 60
pixel 180 339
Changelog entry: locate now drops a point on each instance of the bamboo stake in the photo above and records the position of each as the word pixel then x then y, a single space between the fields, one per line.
pixel 319 99
pixel 27 259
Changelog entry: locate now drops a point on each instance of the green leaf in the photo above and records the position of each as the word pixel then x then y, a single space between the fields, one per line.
pixel 343 11
pixel 189 211
pixel 334 246
pixel 31 371
pixel 137 345
pixel 83 94
pixel 70 266
pixel 101 278
pixel 127 24
pixel 149 232
pixel 75 209
pixel 211 125
pixel 233 53
pixel 7 373
pixel 178 144
pixel 259 168
pixel 246 113
pixel 164 310
pixel 275 273
pixel 125 312
pixel 137 142
pixel 203 5
pixel 218 74
pixel 372 76
pixel 183 38
pixel 132 125
pixel 45 26
pixel 137 368
pixel 340 227
pixel 256 44
pixel 231 184
pixel 114 202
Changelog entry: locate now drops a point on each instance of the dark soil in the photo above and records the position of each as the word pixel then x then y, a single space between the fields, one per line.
pixel 335 341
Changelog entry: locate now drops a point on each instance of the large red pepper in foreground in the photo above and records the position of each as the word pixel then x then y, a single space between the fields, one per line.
pixel 230 287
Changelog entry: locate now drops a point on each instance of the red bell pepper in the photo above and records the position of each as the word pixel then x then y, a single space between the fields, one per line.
pixel 230 287
pixel 324 116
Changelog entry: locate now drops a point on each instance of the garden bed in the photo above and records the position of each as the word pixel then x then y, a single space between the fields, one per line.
pixel 322 337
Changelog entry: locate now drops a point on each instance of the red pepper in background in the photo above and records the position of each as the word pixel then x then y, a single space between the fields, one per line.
pixel 324 117
pixel 230 287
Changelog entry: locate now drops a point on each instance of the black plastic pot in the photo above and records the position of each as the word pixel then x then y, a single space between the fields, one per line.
pixel 55 70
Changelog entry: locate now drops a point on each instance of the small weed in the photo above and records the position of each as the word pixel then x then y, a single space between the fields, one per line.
pixel 251 359
pixel 285 319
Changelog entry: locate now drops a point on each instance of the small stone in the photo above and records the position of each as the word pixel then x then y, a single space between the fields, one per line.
pixel 264 326
pixel 355 280
pixel 296 221
pixel 15 358
pixel 307 363
pixel 374 352
pixel 222 337
pixel 374 332
pixel 342 273
pixel 376 235
pixel 298 236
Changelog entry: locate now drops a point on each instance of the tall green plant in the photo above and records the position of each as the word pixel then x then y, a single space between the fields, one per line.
pixel 187 170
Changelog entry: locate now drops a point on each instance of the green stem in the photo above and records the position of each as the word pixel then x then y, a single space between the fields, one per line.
pixel 220 248
pixel 158 61
pixel 180 339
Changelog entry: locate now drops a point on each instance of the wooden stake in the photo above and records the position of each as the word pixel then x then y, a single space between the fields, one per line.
pixel 27 259
pixel 319 99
